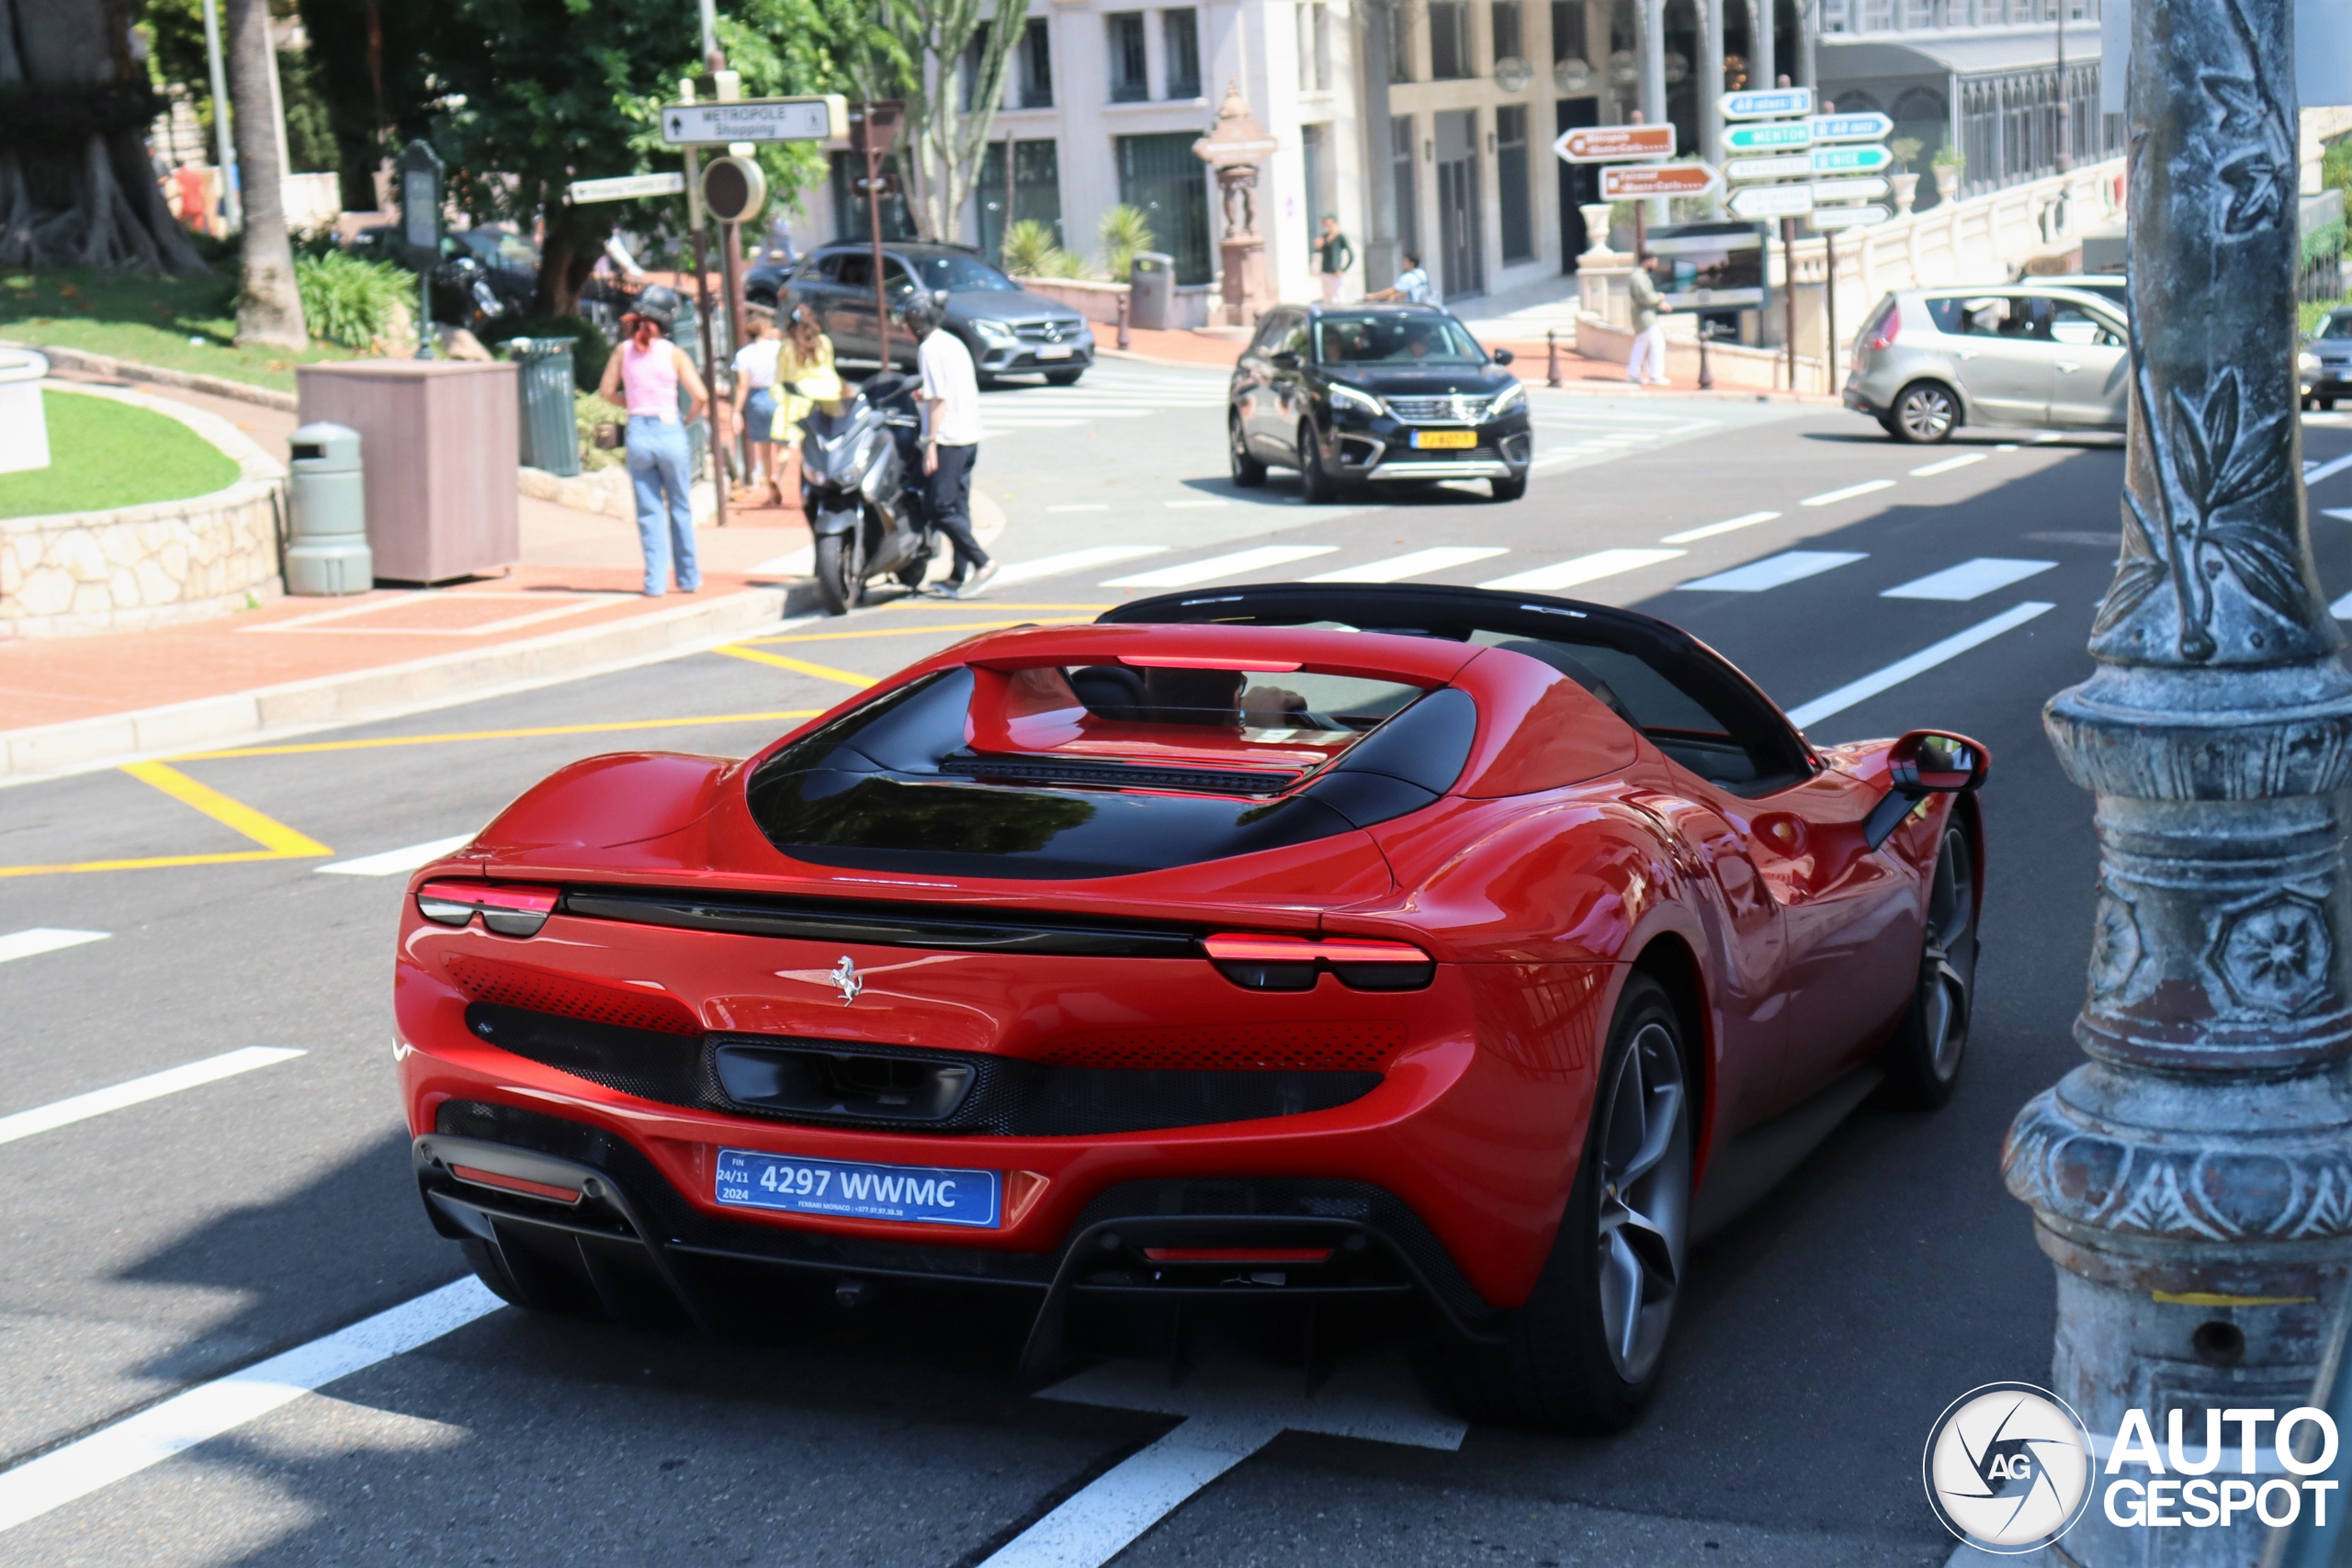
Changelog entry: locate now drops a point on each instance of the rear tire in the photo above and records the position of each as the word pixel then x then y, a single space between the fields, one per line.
pixel 1583 1353
pixel 1315 480
pixel 1508 490
pixel 841 569
pixel 2326 405
pixel 1923 1060
pixel 1924 414
pixel 1248 472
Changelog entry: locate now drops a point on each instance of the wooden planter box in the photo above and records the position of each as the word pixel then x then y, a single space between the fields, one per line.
pixel 439 442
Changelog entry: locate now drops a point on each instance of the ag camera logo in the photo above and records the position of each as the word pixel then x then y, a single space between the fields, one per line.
pixel 2008 1468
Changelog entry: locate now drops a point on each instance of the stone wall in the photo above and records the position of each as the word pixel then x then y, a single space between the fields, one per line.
pixel 73 573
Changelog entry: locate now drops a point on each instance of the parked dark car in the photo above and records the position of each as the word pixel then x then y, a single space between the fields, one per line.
pixel 1010 331
pixel 1375 392
pixel 2325 366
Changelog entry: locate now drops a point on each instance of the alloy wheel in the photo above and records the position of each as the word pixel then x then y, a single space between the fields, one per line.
pixel 1645 1181
pixel 1948 973
pixel 1927 415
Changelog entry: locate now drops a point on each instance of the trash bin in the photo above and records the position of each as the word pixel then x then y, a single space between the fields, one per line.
pixel 329 552
pixel 1151 291
pixel 543 383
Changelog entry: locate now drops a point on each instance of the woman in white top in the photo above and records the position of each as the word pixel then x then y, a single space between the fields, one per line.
pixel 755 399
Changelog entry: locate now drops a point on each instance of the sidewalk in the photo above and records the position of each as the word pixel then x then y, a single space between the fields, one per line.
pixel 571 607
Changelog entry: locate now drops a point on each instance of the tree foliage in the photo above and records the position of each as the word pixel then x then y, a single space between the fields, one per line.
pixel 950 60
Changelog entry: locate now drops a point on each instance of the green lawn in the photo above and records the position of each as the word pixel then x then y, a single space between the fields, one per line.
pixel 186 323
pixel 104 454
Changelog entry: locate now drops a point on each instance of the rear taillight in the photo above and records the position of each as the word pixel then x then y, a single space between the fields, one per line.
pixel 1889 326
pixel 1295 963
pixel 507 909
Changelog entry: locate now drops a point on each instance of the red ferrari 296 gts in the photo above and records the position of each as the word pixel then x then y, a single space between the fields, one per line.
pixel 1288 942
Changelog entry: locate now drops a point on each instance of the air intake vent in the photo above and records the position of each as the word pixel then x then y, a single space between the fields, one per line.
pixel 568 996
pixel 1339 1047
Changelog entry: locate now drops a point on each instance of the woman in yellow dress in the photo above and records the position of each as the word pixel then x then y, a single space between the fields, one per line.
pixel 805 377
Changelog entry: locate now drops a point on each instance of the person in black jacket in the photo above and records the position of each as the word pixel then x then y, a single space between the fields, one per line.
pixel 1333 256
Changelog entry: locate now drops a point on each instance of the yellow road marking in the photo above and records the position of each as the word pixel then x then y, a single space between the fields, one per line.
pixel 301 748
pixel 798 666
pixel 151 863
pixel 906 631
pixel 267 831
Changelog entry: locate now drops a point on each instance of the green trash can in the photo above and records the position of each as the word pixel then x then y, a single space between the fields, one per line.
pixel 543 383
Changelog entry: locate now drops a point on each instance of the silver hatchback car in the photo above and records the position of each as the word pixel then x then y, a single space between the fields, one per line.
pixel 1930 360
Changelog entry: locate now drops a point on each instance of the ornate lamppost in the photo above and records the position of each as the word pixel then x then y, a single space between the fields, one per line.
pixel 1233 147
pixel 2193 1180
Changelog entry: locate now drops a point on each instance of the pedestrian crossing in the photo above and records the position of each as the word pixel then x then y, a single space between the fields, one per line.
pixel 1566 436
pixel 1104 394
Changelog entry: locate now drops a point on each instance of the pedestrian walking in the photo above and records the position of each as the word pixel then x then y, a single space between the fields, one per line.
pixel 1646 361
pixel 1334 256
pixel 1412 286
pixel 643 375
pixel 951 441
pixel 805 379
pixel 755 400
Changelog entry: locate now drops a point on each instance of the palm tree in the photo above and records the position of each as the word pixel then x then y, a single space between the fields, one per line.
pixel 270 307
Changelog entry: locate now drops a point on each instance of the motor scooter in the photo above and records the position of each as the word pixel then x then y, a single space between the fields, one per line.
pixel 860 473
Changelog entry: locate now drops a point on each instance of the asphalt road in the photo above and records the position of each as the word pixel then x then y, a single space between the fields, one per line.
pixel 158 1246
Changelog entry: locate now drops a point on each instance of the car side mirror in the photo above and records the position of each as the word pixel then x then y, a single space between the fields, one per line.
pixel 1285 359
pixel 1924 763
pixel 1503 356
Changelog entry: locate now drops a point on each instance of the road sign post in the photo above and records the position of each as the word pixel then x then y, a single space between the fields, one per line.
pixel 624 187
pixel 1773 201
pixel 1770 103
pixel 420 185
pixel 691 124
pixel 1630 182
pixel 1615 143
pixel 872 132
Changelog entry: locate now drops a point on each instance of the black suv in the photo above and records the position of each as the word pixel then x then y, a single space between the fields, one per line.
pixel 1350 392
pixel 1010 331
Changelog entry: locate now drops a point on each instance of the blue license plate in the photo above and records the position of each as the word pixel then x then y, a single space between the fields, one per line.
pixel 930 1195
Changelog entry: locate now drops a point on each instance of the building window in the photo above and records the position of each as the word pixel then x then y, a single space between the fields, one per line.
pixel 1035 192
pixel 1400 42
pixel 1036 66
pixel 1834 15
pixel 1509 37
pixel 1516 196
pixel 1567 31
pixel 1181 37
pixel 1130 68
pixel 1401 158
pixel 1160 176
pixel 1450 59
pixel 1314 47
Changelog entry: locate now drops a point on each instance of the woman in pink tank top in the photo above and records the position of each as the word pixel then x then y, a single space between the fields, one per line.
pixel 644 376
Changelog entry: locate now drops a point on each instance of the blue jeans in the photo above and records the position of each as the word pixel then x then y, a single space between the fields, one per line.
pixel 657 465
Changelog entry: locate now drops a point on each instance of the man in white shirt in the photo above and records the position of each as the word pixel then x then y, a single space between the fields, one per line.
pixel 951 440
pixel 1412 284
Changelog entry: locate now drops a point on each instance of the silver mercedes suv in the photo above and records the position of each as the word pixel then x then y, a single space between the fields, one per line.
pixel 1930 360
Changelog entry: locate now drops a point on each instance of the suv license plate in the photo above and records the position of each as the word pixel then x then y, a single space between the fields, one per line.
pixel 789 1184
pixel 1427 440
pixel 1055 351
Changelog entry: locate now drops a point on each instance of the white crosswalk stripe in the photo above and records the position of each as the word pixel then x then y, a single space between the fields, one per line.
pixel 1582 568
pixel 1419 563
pixel 1969 580
pixel 1772 572
pixel 1010 410
pixel 1233 565
pixel 1075 560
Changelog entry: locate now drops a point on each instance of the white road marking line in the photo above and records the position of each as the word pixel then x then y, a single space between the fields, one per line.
pixel 1583 569
pixel 1693 535
pixel 1075 560
pixel 2312 475
pixel 1395 569
pixel 1969 580
pixel 1230 1415
pixel 792 563
pixel 1772 572
pixel 391 860
pixel 2342 608
pixel 1082 506
pixel 2006 447
pixel 1948 465
pixel 154 1085
pixel 1830 498
pixel 179 1422
pixel 1190 572
pixel 2341 514
pixel 37 939
pixel 1902 670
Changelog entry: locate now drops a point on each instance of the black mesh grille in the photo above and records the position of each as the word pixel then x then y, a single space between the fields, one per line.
pixel 1008 1099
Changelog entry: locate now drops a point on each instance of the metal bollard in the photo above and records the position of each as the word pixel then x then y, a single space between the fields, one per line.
pixel 329 553
pixel 1123 313
pixel 1550 356
pixel 1706 366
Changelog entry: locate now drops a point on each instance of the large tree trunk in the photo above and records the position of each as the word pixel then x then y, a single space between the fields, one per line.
pixel 566 258
pixel 269 308
pixel 75 188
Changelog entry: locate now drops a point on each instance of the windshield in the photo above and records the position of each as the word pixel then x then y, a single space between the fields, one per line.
pixel 961 274
pixel 2338 326
pixel 1388 338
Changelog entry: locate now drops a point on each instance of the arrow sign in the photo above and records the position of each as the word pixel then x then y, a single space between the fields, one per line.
pixel 1845 217
pixel 1614 143
pixel 1767 104
pixel 1788 166
pixel 1773 201
pixel 1624 182
pixel 1850 160
pixel 626 187
pixel 1851 127
pixel 1768 138
pixel 756 119
pixel 1863 187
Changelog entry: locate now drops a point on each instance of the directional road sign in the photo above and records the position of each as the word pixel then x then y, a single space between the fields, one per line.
pixel 1863 187
pixel 626 187
pixel 1624 182
pixel 1845 217
pixel 756 119
pixel 1773 201
pixel 1850 160
pixel 1615 143
pixel 1767 104
pixel 1786 166
pixel 1871 126
pixel 1768 138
